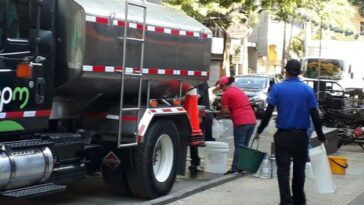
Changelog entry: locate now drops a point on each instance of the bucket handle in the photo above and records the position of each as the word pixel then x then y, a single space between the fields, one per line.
pixel 340 165
pixel 251 145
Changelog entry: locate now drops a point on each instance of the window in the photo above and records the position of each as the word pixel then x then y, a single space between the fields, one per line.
pixel 251 82
pixel 329 68
pixel 2 22
pixel 17 18
pixel 14 19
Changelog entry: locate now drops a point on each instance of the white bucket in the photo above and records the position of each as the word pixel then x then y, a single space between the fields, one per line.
pixel 321 170
pixel 216 157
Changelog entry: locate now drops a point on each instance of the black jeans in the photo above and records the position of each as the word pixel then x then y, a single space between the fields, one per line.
pixel 206 127
pixel 195 158
pixel 291 144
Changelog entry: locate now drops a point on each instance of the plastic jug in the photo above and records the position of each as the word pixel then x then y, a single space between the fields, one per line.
pixel 266 168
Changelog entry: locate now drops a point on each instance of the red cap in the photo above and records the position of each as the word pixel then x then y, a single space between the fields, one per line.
pixel 223 81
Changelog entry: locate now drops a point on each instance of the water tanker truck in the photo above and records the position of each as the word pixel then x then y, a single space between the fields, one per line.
pixel 97 86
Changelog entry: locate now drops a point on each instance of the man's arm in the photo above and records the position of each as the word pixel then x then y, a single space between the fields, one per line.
pixel 265 120
pixel 315 116
pixel 224 112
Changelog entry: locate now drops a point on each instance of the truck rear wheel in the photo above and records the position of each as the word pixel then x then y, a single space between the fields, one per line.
pixel 155 161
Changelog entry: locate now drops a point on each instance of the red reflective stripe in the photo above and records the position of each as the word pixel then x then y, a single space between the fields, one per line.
pixel 129 118
pixel 43 113
pixel 169 71
pixel 121 23
pixel 14 115
pixel 184 72
pixel 153 71
pixel 102 20
pixel 197 73
pixel 140 27
pixel 136 70
pixel 20 114
pixel 189 33
pixel 159 29
pixel 154 111
pixel 150 71
pixel 118 68
pixel 175 32
pixel 98 68
pixel 167 110
pixel 180 109
pixel 141 128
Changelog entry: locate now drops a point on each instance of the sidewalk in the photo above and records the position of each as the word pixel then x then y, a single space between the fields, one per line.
pixel 256 191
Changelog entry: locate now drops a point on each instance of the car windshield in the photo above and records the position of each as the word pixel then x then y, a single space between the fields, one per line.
pixel 2 22
pixel 251 82
pixel 329 68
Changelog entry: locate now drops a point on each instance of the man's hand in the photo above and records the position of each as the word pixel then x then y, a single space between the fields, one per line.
pixel 257 136
pixel 325 142
pixel 216 90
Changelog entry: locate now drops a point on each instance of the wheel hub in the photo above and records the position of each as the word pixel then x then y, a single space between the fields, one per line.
pixel 163 158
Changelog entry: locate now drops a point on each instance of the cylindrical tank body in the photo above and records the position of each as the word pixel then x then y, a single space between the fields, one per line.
pixel 90 48
pixel 25 167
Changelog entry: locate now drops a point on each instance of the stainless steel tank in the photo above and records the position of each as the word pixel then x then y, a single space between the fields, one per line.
pixel 25 167
pixel 90 48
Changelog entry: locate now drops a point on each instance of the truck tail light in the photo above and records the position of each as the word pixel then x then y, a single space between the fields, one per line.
pixel 177 102
pixel 153 103
pixel 24 70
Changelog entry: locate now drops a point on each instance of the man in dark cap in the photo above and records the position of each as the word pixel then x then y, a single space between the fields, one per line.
pixel 295 102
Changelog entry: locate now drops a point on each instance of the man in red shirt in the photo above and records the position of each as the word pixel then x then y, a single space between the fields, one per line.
pixel 236 103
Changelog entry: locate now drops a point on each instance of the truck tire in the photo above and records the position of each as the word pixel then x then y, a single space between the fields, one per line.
pixel 155 161
pixel 115 180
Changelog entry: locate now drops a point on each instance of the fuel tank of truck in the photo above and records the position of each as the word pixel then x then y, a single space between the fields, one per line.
pixel 90 48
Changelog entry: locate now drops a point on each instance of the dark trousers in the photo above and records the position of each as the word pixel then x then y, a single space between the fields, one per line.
pixel 195 158
pixel 291 145
pixel 206 127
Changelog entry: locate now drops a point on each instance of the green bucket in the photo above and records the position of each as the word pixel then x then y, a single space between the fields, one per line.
pixel 250 159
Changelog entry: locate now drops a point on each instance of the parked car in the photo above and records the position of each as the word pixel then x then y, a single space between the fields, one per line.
pixel 256 87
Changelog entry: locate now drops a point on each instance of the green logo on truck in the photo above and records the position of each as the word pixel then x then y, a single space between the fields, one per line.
pixel 19 94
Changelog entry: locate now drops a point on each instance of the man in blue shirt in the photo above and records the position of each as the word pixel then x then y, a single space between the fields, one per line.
pixel 295 102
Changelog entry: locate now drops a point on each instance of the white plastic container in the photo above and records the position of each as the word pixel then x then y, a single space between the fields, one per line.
pixel 216 157
pixel 218 128
pixel 309 171
pixel 321 170
pixel 266 169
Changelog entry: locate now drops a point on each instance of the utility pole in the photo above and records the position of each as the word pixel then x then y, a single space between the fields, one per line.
pixel 319 60
pixel 284 47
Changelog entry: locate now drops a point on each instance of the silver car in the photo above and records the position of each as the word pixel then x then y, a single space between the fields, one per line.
pixel 256 87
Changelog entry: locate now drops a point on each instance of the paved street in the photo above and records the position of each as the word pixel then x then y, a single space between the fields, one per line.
pixel 237 190
pixel 257 191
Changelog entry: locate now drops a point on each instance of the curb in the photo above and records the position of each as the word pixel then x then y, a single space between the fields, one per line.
pixel 192 190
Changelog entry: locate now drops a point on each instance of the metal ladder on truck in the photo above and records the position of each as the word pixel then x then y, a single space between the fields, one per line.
pixel 125 74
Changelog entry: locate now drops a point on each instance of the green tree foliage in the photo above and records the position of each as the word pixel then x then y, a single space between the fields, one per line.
pixel 360 4
pixel 209 12
pixel 223 12
pixel 337 13
pixel 333 16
